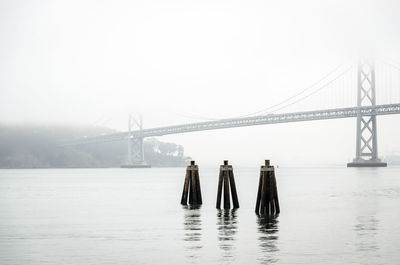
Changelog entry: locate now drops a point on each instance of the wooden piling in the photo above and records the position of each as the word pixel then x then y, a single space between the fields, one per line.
pixel 227 199
pixel 276 200
pixel 235 199
pixel 198 188
pixel 219 190
pixel 191 186
pixel 267 194
pixel 185 189
pixel 258 201
pixel 226 179
pixel 263 192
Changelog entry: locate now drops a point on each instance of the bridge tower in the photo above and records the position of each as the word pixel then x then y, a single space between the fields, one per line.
pixel 366 140
pixel 135 144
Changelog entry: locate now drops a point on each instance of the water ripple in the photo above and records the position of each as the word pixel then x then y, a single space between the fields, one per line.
pixel 268 238
pixel 227 228
pixel 192 232
pixel 366 228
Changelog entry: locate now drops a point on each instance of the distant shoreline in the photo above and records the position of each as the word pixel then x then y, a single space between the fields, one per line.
pixel 85 167
pixel 31 147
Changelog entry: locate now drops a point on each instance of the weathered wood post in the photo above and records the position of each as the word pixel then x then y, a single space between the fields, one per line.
pixel 226 179
pixel 267 195
pixel 191 186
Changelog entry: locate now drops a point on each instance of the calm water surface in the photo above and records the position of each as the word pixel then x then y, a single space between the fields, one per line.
pixel 331 215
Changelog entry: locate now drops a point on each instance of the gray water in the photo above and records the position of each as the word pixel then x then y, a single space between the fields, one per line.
pixel 329 215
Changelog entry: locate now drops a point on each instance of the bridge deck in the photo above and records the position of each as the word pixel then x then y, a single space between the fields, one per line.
pixel 242 122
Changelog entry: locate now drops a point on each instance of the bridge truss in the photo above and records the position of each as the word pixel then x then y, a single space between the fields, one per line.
pixel 386 109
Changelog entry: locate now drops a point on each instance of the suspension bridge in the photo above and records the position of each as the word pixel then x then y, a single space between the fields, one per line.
pixel 355 84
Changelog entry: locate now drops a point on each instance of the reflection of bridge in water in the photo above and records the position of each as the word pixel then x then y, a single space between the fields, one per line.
pixel 336 86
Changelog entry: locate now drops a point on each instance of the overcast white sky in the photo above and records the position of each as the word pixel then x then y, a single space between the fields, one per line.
pixel 93 62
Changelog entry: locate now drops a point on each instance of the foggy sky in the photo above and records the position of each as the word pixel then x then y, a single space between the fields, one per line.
pixel 94 62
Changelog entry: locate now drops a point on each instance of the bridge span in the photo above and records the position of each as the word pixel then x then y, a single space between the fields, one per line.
pixel 365 111
pixel 327 114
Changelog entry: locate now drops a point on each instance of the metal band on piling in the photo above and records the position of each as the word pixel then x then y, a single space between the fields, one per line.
pixel 267 169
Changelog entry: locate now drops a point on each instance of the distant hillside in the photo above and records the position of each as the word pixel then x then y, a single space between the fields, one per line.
pixel 35 147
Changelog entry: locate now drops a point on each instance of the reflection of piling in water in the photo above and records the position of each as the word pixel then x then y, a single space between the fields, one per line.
pixel 227 228
pixel 192 186
pixel 367 229
pixel 193 232
pixel 267 196
pixel 268 229
pixel 226 178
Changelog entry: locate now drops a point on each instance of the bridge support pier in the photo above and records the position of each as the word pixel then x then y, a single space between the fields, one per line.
pixel 366 141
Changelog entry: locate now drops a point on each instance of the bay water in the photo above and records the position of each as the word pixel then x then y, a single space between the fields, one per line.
pixel 329 215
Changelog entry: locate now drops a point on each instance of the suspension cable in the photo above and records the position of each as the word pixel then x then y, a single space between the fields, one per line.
pixel 319 89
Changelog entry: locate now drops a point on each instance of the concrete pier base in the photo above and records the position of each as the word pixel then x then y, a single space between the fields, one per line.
pixel 367 163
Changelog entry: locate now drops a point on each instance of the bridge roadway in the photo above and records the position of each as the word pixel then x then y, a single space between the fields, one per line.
pixel 326 114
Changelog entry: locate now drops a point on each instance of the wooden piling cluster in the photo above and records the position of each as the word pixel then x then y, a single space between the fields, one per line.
pixel 225 180
pixel 267 196
pixel 191 186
